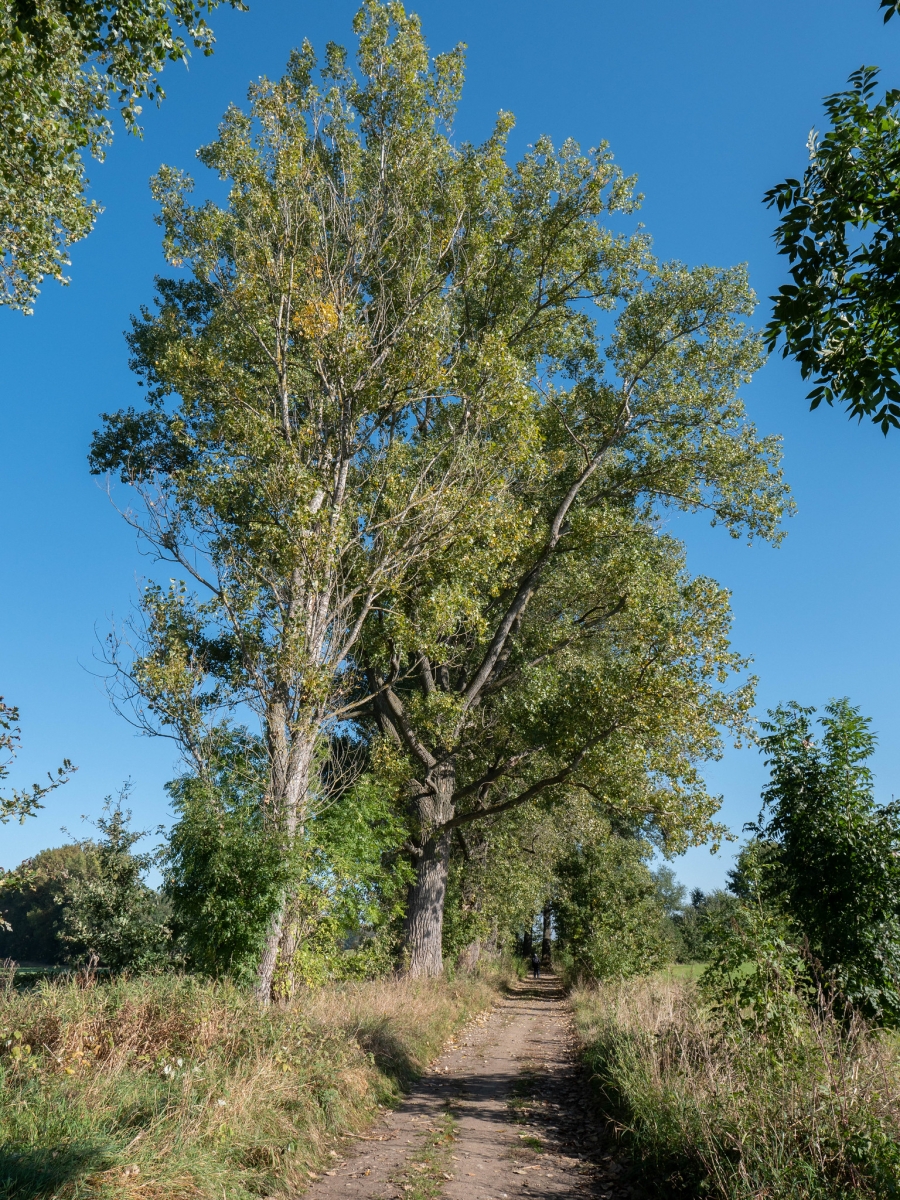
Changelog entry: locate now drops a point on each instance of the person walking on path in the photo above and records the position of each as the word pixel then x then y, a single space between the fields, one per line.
pixel 535 964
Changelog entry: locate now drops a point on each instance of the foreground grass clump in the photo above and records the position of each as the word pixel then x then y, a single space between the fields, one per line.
pixel 172 1087
pixel 735 1114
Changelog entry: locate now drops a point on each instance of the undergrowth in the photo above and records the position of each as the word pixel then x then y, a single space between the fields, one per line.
pixel 176 1088
pixel 729 1112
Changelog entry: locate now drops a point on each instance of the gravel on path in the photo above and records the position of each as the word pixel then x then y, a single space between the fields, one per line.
pixel 523 1126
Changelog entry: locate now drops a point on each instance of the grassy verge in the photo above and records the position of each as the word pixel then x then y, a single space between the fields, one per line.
pixel 175 1088
pixel 737 1116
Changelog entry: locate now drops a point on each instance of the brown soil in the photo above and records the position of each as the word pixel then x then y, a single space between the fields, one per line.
pixel 524 1125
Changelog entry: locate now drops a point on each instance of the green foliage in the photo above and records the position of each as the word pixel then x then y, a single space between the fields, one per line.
pixel 360 875
pixel 609 917
pixel 228 871
pixel 839 317
pixel 225 870
pixel 696 924
pixel 22 804
pixel 112 913
pixel 32 899
pixel 836 873
pixel 61 62
pixel 756 974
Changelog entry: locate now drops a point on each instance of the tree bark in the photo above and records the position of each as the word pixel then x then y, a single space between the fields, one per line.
pixel 265 974
pixel 545 940
pixel 469 956
pixel 424 927
pixel 290 772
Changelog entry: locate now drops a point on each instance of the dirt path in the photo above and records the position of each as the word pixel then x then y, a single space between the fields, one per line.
pixel 506 1109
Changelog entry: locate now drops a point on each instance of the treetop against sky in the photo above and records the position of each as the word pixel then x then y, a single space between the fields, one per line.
pixel 709 107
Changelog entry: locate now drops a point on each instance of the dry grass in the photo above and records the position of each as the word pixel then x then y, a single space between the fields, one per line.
pixel 173 1087
pixel 735 1115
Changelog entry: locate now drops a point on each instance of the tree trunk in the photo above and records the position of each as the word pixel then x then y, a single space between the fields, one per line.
pixel 545 940
pixel 527 943
pixel 469 957
pixel 265 973
pixel 290 774
pixel 424 927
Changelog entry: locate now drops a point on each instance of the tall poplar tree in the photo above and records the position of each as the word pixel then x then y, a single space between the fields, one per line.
pixel 574 653
pixel 376 404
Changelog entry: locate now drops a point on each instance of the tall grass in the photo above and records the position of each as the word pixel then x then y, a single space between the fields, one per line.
pixel 171 1087
pixel 734 1114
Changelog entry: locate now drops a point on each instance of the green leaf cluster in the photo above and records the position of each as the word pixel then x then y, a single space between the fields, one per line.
pixel 836 872
pixel 839 317
pixel 609 918
pixel 61 64
pixel 110 912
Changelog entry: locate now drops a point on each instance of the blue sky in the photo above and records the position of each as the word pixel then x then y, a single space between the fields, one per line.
pixel 709 104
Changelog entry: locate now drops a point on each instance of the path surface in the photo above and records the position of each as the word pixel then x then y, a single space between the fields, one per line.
pixel 513 1084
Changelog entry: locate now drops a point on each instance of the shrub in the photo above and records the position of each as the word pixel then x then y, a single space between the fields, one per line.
pixel 829 856
pixel 112 913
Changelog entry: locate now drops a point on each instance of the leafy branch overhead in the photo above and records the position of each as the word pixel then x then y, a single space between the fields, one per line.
pixel 840 229
pixel 63 63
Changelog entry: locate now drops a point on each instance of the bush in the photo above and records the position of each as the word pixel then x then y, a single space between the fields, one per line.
pixel 112 913
pixel 225 868
pixel 828 856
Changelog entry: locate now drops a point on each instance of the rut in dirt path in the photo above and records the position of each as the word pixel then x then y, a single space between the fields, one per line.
pixel 516 1093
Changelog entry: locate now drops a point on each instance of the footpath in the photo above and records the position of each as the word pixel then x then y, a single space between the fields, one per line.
pixel 507 1107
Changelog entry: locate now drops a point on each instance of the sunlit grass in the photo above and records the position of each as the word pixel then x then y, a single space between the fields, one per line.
pixel 173 1087
pixel 734 1113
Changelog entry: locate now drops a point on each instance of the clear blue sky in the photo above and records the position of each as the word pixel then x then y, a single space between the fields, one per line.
pixel 710 104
